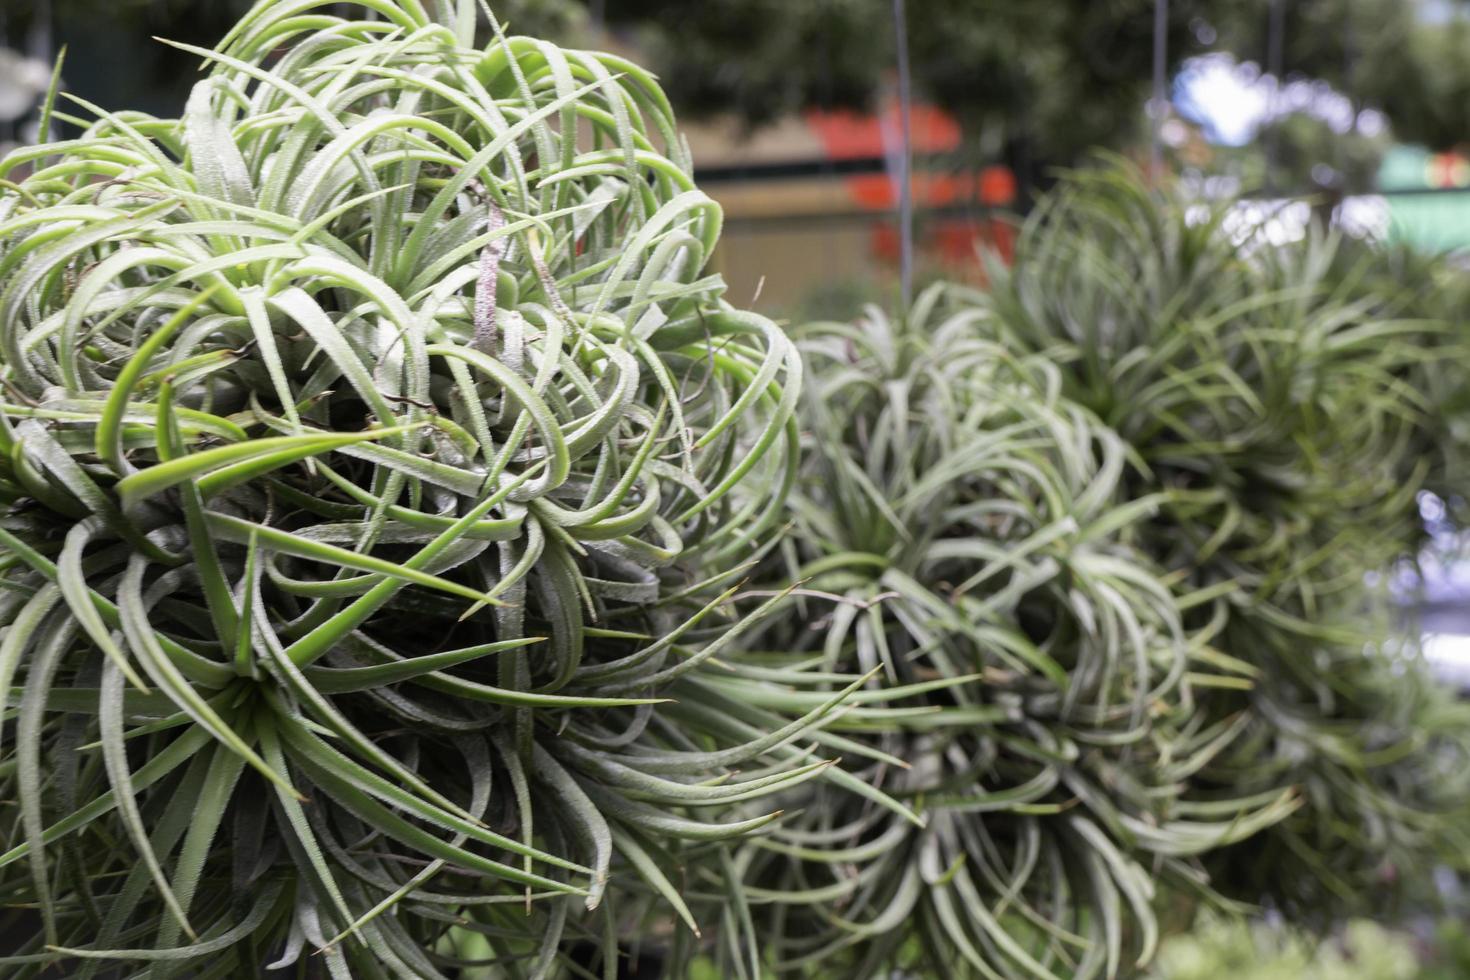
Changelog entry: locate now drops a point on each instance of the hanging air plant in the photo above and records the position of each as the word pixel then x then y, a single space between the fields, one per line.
pixel 1277 409
pixel 959 531
pixel 368 443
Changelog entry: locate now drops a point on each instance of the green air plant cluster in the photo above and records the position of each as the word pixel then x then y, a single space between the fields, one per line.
pixel 1283 406
pixel 1106 529
pixel 367 444
pixel 1429 296
pixel 382 469
pixel 962 529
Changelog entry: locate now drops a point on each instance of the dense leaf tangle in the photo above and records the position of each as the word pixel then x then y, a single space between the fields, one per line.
pixel 368 441
pixel 1040 711
pixel 1286 403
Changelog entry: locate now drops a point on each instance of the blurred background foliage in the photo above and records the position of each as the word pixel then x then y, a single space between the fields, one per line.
pixel 1033 84
pixel 1363 951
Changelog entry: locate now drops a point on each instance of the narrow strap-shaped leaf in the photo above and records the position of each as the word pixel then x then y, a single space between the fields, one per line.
pixel 648 870
pixel 178 752
pixel 388 823
pixel 218 164
pixel 243 531
pixel 114 756
pixel 196 667
pixel 315 753
pixel 29 775
pixel 321 639
pixel 584 813
pixel 109 423
pixel 208 813
pixel 261 910
pixel 222 467
pixel 134 618
pixel 22 634
pixel 340 680
pixel 73 583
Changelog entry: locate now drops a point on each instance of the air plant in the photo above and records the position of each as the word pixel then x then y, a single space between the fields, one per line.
pixel 1268 403
pixel 959 529
pixel 369 435
pixel 1427 296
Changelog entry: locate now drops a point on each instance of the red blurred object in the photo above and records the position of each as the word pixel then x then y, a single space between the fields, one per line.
pixel 997 186
pixel 849 135
pixel 876 192
pixel 953 241
pixel 1448 171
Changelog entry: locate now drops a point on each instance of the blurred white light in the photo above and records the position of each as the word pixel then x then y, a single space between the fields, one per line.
pixel 1231 100
pixel 1268 222
pixel 1431 506
pixel 1438 11
pixel 1449 657
pixel 1224 96
pixel 22 79
pixel 1364 216
pixel 1372 123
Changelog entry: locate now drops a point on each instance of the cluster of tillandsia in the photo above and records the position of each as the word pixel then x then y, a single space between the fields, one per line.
pixel 368 437
pixel 1268 401
pixel 1426 298
pixel 1037 721
pixel 379 462
pixel 1105 527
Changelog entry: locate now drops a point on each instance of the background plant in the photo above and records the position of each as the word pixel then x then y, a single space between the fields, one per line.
pixel 1153 463
pixel 1258 951
pixel 959 528
pixel 1269 395
pixel 1427 294
pixel 368 437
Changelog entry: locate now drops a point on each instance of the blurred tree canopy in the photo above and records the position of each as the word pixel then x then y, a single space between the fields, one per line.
pixel 113 60
pixel 1050 78
pixel 1036 83
pixel 1057 77
pixel 1406 58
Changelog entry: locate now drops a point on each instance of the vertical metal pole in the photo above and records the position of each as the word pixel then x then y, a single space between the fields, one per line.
pixel 38 45
pixel 1349 86
pixel 905 166
pixel 1275 32
pixel 1161 55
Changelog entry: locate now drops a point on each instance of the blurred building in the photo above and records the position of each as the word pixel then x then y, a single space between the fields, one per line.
pixel 1427 196
pixel 812 199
